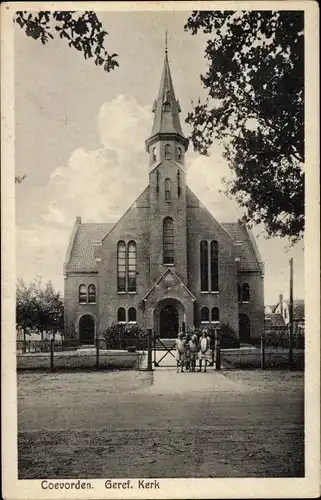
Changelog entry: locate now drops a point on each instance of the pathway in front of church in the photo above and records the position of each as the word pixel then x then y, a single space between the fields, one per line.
pixel 160 424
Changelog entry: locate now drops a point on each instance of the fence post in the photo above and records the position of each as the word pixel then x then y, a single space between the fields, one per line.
pixel 290 332
pixel 24 342
pixel 263 351
pixel 52 350
pixel 149 350
pixel 97 353
pixel 217 350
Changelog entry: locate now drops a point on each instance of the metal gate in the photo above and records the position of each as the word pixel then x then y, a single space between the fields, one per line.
pixel 159 356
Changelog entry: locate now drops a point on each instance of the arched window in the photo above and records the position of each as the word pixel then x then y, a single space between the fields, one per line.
pixel 215 314
pixel 245 292
pixel 121 266
pixel 154 155
pixel 168 241
pixel 91 294
pixel 204 265
pixel 132 315
pixel 214 266
pixel 205 315
pixel 132 266
pixel 121 315
pixel 179 154
pixel 239 293
pixel 167 190
pixel 82 294
pixel 167 152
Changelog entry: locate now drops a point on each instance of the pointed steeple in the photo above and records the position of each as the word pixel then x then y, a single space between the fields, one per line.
pixel 166 108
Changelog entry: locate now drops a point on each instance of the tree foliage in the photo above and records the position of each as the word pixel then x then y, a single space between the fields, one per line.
pixel 39 307
pixel 82 31
pixel 255 82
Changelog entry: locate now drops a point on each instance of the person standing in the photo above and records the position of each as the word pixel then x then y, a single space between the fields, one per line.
pixel 187 360
pixel 205 351
pixel 193 347
pixel 180 352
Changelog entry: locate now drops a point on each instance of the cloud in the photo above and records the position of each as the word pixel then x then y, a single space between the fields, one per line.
pixel 204 176
pixel 100 184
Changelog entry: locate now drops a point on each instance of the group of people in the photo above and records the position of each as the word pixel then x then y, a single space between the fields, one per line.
pixel 189 349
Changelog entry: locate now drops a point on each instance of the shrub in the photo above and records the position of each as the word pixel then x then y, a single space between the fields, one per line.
pixel 118 336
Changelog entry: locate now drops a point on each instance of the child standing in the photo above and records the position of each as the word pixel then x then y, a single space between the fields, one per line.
pixel 187 352
pixel 193 347
pixel 205 351
pixel 180 351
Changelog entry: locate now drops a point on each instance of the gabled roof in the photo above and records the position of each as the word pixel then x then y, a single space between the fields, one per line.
pixel 274 320
pixel 168 271
pixel 298 308
pixel 247 250
pixel 81 256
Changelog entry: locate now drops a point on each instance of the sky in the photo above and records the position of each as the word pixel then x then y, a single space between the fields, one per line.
pixel 80 133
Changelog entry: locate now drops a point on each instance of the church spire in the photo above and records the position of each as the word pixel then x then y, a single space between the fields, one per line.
pixel 166 108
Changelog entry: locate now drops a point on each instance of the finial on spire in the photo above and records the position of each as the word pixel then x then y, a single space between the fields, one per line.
pixel 166 42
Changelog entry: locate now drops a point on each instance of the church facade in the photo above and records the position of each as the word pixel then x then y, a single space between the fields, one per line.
pixel 167 262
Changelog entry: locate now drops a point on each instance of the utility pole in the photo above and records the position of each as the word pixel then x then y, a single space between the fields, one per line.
pixel 291 317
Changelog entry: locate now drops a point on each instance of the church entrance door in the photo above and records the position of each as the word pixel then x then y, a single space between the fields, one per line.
pixel 168 322
pixel 87 330
pixel 244 328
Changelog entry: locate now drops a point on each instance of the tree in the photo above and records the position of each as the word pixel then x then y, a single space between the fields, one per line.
pixel 39 308
pixel 82 31
pixel 255 82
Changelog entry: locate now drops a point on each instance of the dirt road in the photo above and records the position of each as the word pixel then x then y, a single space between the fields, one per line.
pixel 161 424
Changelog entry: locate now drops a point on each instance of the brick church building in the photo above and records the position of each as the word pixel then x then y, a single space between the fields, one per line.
pixel 167 261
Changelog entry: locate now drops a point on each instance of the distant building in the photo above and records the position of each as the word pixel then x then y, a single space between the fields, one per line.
pixel 167 261
pixel 279 313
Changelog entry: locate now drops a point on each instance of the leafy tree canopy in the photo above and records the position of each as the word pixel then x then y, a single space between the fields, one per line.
pixel 39 307
pixel 255 106
pixel 82 31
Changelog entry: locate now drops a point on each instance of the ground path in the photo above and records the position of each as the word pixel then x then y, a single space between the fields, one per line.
pixel 160 424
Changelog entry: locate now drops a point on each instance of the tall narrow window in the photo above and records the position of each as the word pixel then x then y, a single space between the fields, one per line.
pixel 245 292
pixel 214 266
pixel 167 190
pixel 204 265
pixel 132 266
pixel 91 294
pixel 205 315
pixel 179 154
pixel 239 293
pixel 215 314
pixel 121 266
pixel 178 183
pixel 82 294
pixel 121 315
pixel 154 157
pixel 167 152
pixel 132 315
pixel 168 241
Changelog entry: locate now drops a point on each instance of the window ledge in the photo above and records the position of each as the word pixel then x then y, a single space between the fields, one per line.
pixel 169 265
pixel 121 322
pixel 92 303
pixel 121 293
pixel 245 302
pixel 132 322
pixel 205 291
pixel 215 292
pixel 132 293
